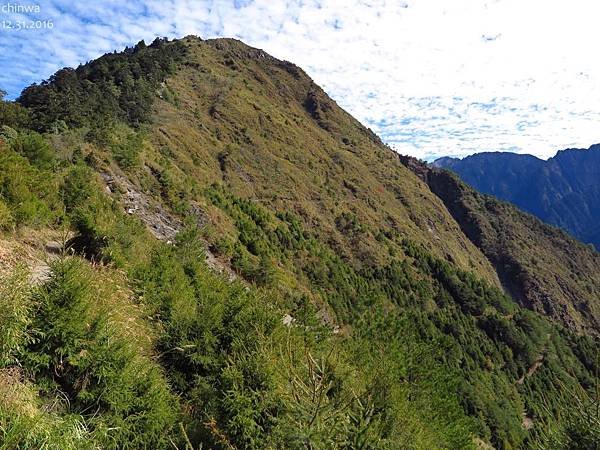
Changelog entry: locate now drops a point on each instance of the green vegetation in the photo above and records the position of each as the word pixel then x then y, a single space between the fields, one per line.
pixel 35 149
pixel 352 312
pixel 117 86
pixel 12 114
pixel 28 193
pixel 532 269
pixel 481 336
pixel 126 147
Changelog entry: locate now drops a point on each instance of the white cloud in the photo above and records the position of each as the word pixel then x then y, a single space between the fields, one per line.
pixel 433 77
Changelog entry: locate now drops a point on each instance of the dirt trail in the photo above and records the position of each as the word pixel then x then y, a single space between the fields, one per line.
pixel 537 363
pixel 30 252
pixel 532 369
pixel 527 422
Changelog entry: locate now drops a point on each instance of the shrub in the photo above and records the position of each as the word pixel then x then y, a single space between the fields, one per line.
pixel 13 115
pixel 6 218
pixel 29 193
pixel 15 315
pixel 8 134
pixel 80 191
pixel 25 424
pixel 85 351
pixel 223 246
pixel 36 149
pixel 126 147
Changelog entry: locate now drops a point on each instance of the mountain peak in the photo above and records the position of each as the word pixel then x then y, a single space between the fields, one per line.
pixel 243 264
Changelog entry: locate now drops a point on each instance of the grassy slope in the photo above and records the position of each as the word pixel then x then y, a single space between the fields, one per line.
pixel 310 210
pixel 244 107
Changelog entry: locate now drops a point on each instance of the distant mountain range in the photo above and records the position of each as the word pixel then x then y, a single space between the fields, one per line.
pixel 563 191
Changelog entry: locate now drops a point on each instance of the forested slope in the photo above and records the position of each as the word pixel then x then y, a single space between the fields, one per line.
pixel 541 266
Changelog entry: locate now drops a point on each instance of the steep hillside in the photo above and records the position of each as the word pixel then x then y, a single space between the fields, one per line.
pixel 563 191
pixel 264 129
pixel 541 266
pixel 243 265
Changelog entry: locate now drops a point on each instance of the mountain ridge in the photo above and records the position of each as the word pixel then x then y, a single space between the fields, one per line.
pixel 562 191
pixel 354 311
pixel 490 224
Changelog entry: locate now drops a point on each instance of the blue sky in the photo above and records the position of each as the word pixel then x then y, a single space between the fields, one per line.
pixel 432 77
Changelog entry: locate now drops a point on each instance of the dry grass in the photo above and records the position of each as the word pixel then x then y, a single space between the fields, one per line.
pixel 28 247
pixel 127 317
pixel 241 120
pixel 15 394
